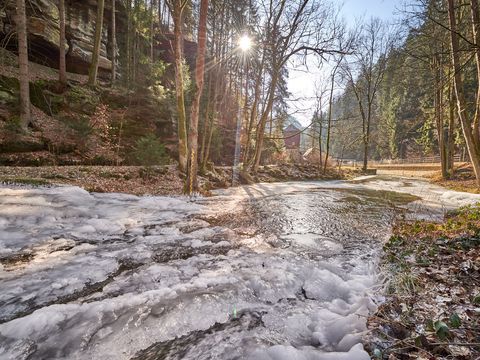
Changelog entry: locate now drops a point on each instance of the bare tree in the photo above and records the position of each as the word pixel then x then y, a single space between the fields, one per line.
pixel 92 73
pixel 177 8
pixel 23 64
pixel 293 29
pixel 364 71
pixel 192 184
pixel 330 109
pixel 459 89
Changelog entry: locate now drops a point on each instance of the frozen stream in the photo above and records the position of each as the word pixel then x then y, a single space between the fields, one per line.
pixel 269 271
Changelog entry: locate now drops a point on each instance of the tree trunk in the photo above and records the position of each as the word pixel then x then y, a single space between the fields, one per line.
pixel 206 122
pixel 367 132
pixel 152 35
pixel 211 122
pixel 129 43
pixel 253 112
pixel 181 116
pixel 92 73
pixel 329 122
pixel 366 141
pixel 476 34
pixel 62 75
pixel 114 44
pixel 320 125
pixel 461 103
pixel 451 131
pixel 23 64
pixel 439 115
pixel 263 122
pixel 134 54
pixel 192 183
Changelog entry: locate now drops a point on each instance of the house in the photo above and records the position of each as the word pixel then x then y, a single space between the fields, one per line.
pixel 292 137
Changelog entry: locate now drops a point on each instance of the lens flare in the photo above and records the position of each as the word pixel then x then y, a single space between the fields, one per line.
pixel 245 43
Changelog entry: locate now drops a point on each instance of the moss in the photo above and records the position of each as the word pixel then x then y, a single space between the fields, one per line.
pixel 7 58
pixel 25 181
pixel 14 125
pixel 7 98
pixel 82 99
pixel 42 97
pixel 109 175
pixel 81 125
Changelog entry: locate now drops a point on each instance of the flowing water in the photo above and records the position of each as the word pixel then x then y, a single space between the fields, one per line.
pixel 269 271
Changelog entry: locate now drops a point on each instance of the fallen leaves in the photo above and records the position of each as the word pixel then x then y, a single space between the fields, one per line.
pixel 432 311
pixel 158 180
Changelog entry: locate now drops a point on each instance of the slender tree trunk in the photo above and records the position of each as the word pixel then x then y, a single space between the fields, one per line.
pixel 62 75
pixel 451 130
pixel 152 34
pixel 23 64
pixel 160 16
pixel 209 143
pixel 320 130
pixel 181 115
pixel 92 73
pixel 476 34
pixel 329 121
pixel 216 105
pixel 114 43
pixel 216 91
pixel 253 112
pixel 129 42
pixel 263 122
pixel 366 137
pixel 192 183
pixel 439 115
pixel 135 54
pixel 246 118
pixel 206 122
pixel 461 103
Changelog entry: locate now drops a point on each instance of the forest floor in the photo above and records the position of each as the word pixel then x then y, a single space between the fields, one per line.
pixel 432 307
pixel 155 180
pixel 463 180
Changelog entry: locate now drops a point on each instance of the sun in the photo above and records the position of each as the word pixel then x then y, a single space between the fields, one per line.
pixel 245 43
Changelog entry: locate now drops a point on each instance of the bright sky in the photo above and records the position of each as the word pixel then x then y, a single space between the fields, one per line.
pixel 301 83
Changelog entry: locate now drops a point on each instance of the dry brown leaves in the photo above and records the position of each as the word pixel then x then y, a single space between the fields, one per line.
pixel 433 310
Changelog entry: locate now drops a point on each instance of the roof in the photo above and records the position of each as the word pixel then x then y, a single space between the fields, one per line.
pixel 291 128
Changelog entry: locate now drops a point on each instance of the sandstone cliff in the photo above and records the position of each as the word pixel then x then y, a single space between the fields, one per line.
pixel 44 32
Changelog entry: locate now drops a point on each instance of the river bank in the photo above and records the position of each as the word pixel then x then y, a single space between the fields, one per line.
pixel 156 180
pixel 432 307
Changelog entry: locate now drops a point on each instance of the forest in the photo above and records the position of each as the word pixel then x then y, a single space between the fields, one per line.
pixel 240 179
pixel 206 84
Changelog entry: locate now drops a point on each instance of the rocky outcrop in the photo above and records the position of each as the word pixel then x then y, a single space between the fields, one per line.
pixel 44 32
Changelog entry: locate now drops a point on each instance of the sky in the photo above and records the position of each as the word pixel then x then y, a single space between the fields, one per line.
pixel 301 83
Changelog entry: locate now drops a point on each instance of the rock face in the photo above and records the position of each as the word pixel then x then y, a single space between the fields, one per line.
pixel 44 32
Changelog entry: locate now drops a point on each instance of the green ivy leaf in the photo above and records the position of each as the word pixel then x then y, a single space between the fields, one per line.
pixel 476 299
pixel 441 329
pixel 455 321
pixel 429 325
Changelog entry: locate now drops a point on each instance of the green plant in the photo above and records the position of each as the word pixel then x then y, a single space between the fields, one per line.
pixel 150 151
pixel 81 125
pixel 14 125
pixel 25 181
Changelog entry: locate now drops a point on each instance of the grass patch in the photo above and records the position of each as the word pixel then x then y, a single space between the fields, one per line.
pixel 25 181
